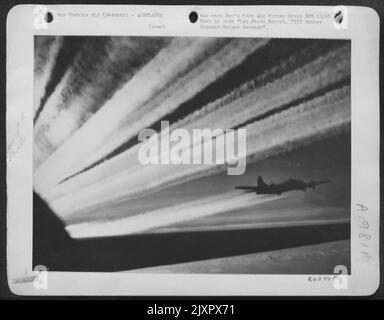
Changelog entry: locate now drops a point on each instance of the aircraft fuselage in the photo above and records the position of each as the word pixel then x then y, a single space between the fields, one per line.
pixel 289 185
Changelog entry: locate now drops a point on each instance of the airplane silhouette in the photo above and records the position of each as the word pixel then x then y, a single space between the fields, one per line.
pixel 289 185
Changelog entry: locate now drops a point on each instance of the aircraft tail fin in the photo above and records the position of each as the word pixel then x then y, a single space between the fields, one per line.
pixel 260 182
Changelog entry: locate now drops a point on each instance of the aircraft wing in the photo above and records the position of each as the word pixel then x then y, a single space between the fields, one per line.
pixel 248 188
pixel 321 182
pixel 316 183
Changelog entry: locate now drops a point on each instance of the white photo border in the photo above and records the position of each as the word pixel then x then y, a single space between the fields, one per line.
pixel 362 30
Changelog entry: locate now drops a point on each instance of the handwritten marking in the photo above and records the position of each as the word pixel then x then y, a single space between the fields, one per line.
pixel 17 141
pixel 364 234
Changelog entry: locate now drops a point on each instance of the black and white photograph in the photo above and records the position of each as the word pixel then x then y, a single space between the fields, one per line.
pixel 184 200
pixel 192 151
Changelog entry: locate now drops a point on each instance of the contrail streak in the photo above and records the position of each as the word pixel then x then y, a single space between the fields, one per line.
pixel 168 216
pixel 103 64
pixel 46 51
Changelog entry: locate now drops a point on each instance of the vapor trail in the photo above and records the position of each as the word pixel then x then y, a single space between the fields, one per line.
pixel 168 216
pixel 100 67
pixel 46 51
